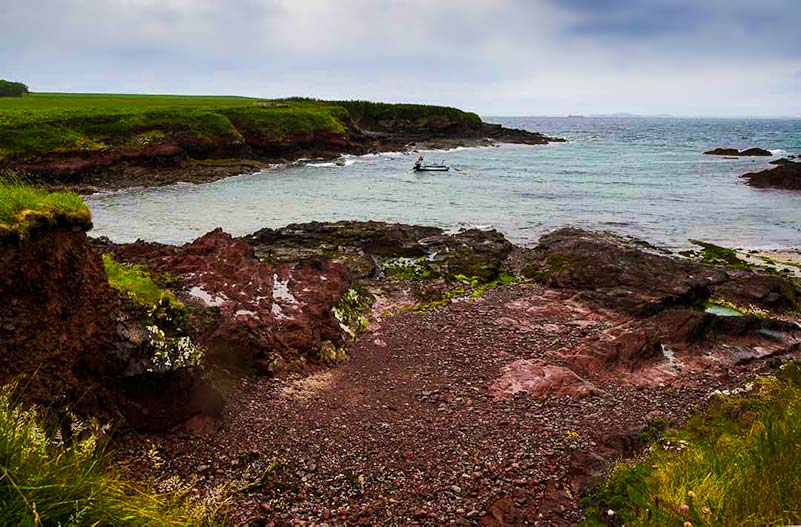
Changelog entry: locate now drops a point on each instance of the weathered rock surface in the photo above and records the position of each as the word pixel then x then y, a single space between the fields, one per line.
pixel 256 314
pixel 741 153
pixel 784 176
pixel 362 246
pixel 64 332
pixel 612 272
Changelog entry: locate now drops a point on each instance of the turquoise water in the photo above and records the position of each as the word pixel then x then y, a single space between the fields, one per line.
pixel 645 177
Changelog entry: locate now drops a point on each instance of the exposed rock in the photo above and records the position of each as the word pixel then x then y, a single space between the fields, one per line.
pixel 612 272
pixel 735 152
pixel 749 289
pixel 784 176
pixel 540 379
pixel 362 246
pixel 63 329
pixel 250 313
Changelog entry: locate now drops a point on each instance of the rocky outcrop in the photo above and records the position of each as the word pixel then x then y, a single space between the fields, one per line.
pixel 739 153
pixel 249 313
pixel 630 277
pixel 612 272
pixel 786 175
pixel 65 335
pixel 368 248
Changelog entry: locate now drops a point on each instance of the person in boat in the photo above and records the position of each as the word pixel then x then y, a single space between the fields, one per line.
pixel 419 163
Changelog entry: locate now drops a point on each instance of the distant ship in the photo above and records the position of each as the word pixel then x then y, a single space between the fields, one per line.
pixel 576 116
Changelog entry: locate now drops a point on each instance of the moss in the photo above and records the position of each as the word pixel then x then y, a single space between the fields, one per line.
pixel 134 281
pixel 407 269
pixel 330 354
pixel 712 254
pixel 554 263
pixel 351 309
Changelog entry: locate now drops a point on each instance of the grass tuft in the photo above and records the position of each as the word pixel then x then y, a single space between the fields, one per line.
pixel 25 209
pixel 44 482
pixel 736 463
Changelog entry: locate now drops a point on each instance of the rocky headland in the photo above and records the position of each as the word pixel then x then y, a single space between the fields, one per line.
pixel 88 148
pixel 365 372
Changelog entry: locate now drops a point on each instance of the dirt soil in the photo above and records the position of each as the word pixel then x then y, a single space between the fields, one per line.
pixel 464 415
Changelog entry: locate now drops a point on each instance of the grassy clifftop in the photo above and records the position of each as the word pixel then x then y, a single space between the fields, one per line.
pixel 24 208
pixel 53 123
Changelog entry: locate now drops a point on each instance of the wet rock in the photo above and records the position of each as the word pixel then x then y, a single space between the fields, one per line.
pixel 615 273
pixel 748 289
pixel 363 245
pixel 783 176
pixel 735 152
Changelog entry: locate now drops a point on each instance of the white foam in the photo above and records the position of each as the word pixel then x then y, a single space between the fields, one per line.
pixel 777 151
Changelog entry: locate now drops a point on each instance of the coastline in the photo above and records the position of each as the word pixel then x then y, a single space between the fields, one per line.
pixel 194 171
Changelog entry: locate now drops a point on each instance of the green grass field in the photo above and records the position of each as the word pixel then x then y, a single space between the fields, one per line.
pixel 42 123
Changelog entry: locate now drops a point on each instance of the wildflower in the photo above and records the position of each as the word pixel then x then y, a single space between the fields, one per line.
pixel 691 495
pixel 610 512
pixel 688 524
pixel 706 510
pixel 684 508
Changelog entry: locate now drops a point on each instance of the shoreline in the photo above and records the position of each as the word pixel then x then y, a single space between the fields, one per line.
pixel 199 171
pixel 230 168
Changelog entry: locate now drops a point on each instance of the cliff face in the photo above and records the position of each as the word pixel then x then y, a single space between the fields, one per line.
pixel 66 338
pixel 57 313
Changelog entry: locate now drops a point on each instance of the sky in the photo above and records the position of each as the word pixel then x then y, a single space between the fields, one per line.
pixel 496 57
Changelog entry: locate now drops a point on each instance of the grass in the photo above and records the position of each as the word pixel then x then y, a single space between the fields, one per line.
pixel 43 123
pixel 25 209
pixel 736 463
pixel 45 482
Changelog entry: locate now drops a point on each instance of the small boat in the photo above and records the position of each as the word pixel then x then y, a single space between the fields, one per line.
pixel 431 168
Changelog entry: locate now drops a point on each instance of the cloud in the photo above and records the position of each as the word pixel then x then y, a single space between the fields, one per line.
pixel 493 56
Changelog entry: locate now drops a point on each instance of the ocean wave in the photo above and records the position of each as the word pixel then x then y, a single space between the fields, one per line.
pixel 348 162
pixel 777 151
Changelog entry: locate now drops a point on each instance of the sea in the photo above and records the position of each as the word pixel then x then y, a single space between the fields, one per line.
pixel 644 177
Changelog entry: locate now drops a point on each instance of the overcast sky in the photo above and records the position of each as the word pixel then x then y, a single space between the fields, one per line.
pixel 496 57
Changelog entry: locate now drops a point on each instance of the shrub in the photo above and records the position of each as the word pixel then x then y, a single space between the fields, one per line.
pixel 12 89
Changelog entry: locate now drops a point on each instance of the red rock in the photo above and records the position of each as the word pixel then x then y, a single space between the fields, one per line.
pixel 269 316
